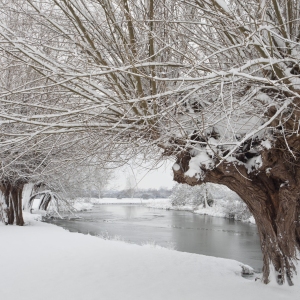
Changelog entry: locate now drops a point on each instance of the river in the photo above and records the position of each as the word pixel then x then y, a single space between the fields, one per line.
pixel 180 230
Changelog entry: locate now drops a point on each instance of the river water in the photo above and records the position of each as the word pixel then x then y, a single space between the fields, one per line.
pixel 180 230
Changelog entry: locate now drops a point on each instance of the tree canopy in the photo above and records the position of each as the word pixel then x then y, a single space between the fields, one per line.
pixel 212 83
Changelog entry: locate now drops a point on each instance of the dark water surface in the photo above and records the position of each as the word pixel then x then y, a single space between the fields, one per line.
pixel 181 230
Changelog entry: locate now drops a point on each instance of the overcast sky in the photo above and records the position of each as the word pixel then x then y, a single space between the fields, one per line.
pixel 144 178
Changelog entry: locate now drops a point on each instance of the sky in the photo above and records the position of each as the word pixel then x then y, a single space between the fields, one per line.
pixel 143 177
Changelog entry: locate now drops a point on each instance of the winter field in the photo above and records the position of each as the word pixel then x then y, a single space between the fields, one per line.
pixel 42 261
pixel 56 264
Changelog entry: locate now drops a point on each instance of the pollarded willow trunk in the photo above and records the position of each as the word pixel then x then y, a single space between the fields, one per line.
pixel 272 194
pixel 13 202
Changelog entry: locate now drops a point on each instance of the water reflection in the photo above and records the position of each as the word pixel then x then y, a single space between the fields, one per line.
pixel 217 237
pixel 186 231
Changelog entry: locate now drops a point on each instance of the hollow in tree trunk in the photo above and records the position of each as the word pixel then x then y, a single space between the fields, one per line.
pixel 272 195
pixel 13 202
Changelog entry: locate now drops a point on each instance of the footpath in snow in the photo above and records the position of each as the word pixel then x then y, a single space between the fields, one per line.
pixel 43 261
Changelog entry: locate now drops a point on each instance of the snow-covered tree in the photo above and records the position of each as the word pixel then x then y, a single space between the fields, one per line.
pixel 245 133
pixel 183 194
pixel 213 83
pixel 210 194
pixel 236 209
pixel 79 180
pixel 130 186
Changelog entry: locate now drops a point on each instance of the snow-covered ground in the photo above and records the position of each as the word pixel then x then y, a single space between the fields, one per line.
pixel 124 201
pixel 43 261
pixel 82 206
pixel 216 210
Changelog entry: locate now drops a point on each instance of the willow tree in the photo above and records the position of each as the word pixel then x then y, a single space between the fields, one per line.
pixel 246 132
pixel 40 139
pixel 213 83
pixel 43 133
pixel 57 82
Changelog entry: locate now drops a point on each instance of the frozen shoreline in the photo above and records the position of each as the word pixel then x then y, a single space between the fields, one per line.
pixel 44 261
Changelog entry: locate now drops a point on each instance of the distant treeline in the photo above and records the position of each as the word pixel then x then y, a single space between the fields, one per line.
pixel 129 193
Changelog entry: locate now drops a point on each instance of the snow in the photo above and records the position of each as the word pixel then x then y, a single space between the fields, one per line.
pixel 264 98
pixel 252 220
pixel 36 204
pixel 211 148
pixel 82 206
pixel 294 79
pixel 26 193
pixel 284 184
pixel 253 163
pixel 218 209
pixel 122 201
pixel 214 211
pixel 160 203
pixel 176 167
pixel 223 5
pixel 43 261
pixel 202 158
pixel 266 144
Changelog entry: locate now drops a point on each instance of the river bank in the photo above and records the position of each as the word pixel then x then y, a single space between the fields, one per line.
pixel 176 229
pixel 43 260
pixel 218 209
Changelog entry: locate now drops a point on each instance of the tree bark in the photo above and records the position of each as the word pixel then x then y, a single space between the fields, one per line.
pixel 13 200
pixel 272 195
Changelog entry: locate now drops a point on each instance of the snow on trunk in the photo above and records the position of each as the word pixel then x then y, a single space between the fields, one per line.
pixel 26 194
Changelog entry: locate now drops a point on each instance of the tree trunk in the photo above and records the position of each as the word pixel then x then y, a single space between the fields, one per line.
pixel 272 195
pixel 13 201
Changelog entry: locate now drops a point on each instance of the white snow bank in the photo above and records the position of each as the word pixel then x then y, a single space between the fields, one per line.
pixel 160 203
pixel 82 206
pixel 124 200
pixel 214 211
pixel 252 220
pixel 218 209
pixel 42 261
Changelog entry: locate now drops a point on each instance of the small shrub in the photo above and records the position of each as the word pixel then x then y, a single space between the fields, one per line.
pixel 236 209
pixel 183 194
